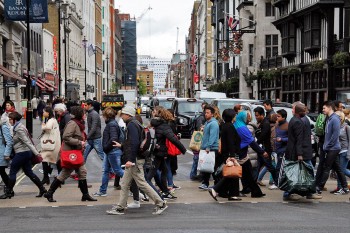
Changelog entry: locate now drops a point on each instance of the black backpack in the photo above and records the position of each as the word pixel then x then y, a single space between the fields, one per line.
pixel 148 142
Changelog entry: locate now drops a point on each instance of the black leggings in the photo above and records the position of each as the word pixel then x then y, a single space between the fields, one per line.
pixel 159 163
pixel 4 175
pixel 247 176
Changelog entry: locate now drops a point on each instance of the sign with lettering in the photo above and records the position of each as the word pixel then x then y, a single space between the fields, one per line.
pixel 8 83
pixel 16 10
pixel 55 68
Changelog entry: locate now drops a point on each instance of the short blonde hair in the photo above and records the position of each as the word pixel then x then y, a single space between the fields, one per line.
pixel 341 116
pixel 109 113
pixel 346 112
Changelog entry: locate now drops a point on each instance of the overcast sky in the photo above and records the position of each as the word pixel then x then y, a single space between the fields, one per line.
pixel 157 30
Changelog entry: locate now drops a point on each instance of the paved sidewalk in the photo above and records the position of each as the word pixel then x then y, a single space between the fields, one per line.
pixel 70 195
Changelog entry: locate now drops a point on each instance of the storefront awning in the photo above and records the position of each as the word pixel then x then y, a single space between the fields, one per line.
pixel 41 83
pixel 9 75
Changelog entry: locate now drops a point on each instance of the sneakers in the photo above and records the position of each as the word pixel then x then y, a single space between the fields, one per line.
pixel 334 191
pixel 134 205
pixel 342 191
pixel 273 187
pixel 213 194
pixel 160 209
pixel 115 211
pixel 99 194
pixel 117 187
pixel 168 196
pixel 260 183
pixel 314 196
pixel 291 198
pixel 203 187
pixel 176 187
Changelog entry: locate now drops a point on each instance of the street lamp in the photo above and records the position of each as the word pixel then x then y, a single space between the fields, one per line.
pixel 85 43
pixel 29 112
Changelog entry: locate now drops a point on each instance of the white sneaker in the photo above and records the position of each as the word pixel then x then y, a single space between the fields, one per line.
pixel 134 205
pixel 273 187
pixel 141 196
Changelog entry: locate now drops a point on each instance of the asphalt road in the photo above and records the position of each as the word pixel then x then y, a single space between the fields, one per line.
pixel 193 211
pixel 201 218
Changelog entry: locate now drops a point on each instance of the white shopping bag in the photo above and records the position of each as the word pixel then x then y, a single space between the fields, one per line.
pixel 206 161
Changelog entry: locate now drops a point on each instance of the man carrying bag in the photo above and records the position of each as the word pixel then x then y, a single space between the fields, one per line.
pixel 298 150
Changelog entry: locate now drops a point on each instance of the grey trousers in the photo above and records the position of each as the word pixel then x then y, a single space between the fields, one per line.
pixel 65 173
pixel 136 173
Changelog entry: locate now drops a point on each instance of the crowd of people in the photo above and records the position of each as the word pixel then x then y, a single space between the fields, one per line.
pixel 233 138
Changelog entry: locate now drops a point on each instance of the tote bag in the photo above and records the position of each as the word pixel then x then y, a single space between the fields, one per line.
pixel 196 141
pixel 206 161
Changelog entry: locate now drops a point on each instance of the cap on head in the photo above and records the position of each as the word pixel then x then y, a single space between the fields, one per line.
pixel 129 111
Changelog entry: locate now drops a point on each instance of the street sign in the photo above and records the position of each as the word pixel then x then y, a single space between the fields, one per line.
pixel 247 31
pixel 15 10
pixel 33 83
pixel 7 83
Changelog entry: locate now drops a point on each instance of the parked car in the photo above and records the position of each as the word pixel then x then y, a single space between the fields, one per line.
pixel 223 104
pixel 185 111
pixel 165 102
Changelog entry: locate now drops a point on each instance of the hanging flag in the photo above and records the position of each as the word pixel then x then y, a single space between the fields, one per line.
pixel 91 50
pixel 232 23
pixel 194 59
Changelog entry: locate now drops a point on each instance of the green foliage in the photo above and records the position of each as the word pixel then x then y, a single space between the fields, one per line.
pixel 142 89
pixel 227 87
pixel 114 88
pixel 270 74
pixel 317 65
pixel 341 59
pixel 293 70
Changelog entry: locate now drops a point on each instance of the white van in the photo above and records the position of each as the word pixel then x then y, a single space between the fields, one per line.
pixel 208 96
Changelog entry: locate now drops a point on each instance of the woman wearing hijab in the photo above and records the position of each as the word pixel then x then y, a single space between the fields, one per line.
pixel 245 140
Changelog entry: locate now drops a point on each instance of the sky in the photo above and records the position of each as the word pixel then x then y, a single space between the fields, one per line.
pixel 157 30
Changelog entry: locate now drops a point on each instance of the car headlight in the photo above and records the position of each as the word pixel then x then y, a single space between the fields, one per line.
pixel 183 121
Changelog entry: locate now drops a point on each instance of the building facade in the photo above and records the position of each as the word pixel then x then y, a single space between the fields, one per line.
pixel 147 78
pixel 118 49
pixel 313 65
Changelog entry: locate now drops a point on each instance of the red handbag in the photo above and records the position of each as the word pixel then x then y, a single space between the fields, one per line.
pixel 172 149
pixel 71 159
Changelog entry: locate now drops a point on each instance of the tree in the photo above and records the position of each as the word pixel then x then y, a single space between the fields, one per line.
pixel 142 90
pixel 113 89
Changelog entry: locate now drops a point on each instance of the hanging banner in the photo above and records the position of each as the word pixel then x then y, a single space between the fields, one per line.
pixel 196 78
pixel 236 44
pixel 223 53
pixel 15 10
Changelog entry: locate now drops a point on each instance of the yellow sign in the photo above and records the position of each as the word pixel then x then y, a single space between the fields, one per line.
pixel 112 104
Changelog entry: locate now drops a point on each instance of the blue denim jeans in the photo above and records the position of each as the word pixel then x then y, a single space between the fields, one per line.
pixel 343 165
pixel 111 162
pixel 193 173
pixel 286 194
pixel 169 175
pixel 94 144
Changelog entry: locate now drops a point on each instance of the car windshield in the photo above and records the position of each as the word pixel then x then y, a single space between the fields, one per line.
pixel 188 107
pixel 144 101
pixel 166 104
pixel 228 104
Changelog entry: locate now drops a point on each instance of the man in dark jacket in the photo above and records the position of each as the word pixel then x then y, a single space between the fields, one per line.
pixel 331 148
pixel 299 145
pixel 94 137
pixel 268 107
pixel 97 105
pixel 134 166
pixel 263 135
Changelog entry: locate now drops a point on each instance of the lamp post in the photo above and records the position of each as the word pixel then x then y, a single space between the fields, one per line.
pixel 29 111
pixel 107 59
pixel 85 43
pixel 95 52
pixel 58 5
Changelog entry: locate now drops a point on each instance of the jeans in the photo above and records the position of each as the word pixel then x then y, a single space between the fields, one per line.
pixel 343 165
pixel 169 173
pixel 331 162
pixel 193 173
pixel 94 144
pixel 22 160
pixel 286 194
pixel 263 171
pixel 112 161
pixel 159 163
pixel 270 167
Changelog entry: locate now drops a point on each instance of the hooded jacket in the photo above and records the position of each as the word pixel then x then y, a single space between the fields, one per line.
pixel 94 125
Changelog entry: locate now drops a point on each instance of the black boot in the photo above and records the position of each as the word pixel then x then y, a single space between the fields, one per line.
pixel 84 190
pixel 9 190
pixel 49 194
pixel 38 183
pixel 47 170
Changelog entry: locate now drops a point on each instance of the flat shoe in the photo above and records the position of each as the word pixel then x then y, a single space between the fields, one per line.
pixel 258 196
pixel 234 199
pixel 213 194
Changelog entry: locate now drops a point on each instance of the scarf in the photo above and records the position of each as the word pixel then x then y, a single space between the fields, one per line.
pixel 81 127
pixel 242 129
pixel 11 110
